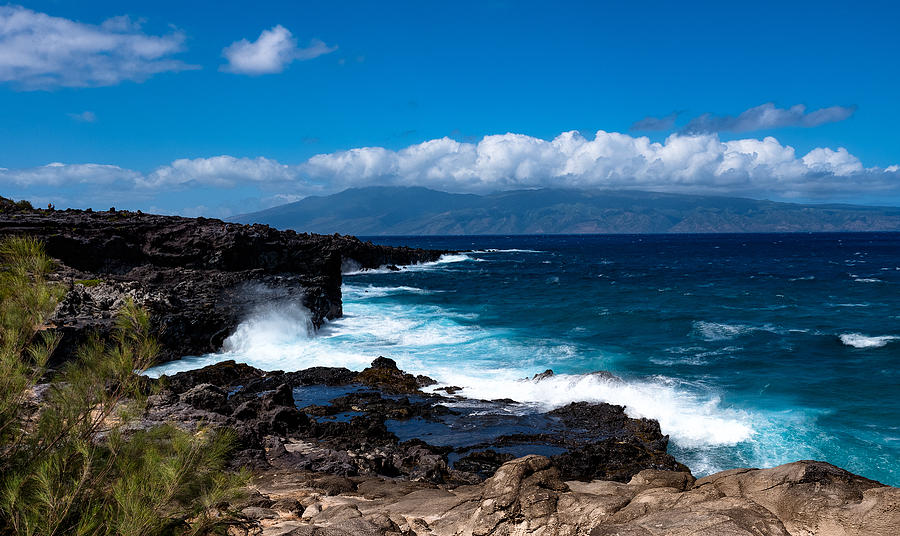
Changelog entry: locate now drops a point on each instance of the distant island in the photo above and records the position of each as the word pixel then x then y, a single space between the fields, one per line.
pixel 398 210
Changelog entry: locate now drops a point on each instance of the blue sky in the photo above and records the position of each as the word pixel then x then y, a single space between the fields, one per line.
pixel 244 123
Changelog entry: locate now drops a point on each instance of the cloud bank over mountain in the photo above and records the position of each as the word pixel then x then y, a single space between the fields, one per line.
pixel 683 163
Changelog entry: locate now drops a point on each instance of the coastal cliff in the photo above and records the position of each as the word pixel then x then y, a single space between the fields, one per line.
pixel 197 277
pixel 340 452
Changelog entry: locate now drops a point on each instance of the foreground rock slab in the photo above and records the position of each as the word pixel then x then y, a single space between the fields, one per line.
pixel 526 496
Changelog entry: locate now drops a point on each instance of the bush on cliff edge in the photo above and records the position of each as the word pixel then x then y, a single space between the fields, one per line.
pixel 67 465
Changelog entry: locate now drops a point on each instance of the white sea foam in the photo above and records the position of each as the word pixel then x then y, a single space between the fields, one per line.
pixel 505 251
pixel 715 331
pixel 487 364
pixel 350 268
pixel 690 418
pixel 858 340
pixel 868 280
pixel 372 291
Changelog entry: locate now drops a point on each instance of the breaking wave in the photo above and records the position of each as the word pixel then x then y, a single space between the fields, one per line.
pixel 486 363
pixel 858 340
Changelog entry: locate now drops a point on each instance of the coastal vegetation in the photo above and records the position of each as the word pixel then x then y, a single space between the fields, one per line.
pixel 73 460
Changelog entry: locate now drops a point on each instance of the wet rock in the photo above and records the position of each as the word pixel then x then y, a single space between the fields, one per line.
pixel 375 404
pixel 613 459
pixel 223 375
pixel 602 421
pixel 424 381
pixel 482 463
pixel 384 374
pixel 542 376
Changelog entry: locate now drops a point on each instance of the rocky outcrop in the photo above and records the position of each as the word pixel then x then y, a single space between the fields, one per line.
pixel 198 277
pixel 526 496
pixel 378 421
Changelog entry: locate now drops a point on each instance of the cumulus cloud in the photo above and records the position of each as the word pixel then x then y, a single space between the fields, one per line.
pixel 39 51
pixel 768 116
pixel 218 171
pixel 683 163
pixel 703 163
pixel 274 50
pixel 59 174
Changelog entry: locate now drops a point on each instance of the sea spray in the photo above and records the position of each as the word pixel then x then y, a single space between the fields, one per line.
pixel 742 362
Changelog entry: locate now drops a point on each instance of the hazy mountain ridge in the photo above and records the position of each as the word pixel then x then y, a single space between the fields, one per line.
pixel 421 211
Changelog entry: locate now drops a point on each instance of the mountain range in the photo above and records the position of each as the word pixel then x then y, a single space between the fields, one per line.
pixel 396 210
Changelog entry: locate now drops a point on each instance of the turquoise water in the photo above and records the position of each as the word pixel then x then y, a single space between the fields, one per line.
pixel 750 350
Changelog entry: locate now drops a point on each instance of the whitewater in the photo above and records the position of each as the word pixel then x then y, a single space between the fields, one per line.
pixel 736 345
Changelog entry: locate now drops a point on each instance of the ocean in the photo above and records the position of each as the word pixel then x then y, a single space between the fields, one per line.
pixel 750 350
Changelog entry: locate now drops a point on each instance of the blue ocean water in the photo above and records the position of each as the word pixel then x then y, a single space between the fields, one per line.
pixel 750 350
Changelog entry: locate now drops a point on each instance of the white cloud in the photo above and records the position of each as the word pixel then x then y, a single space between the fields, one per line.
pixel 58 174
pixel 39 51
pixel 762 168
pixel 683 163
pixel 274 50
pixel 219 171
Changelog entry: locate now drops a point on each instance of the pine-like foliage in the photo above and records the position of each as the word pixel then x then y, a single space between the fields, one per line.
pixel 69 463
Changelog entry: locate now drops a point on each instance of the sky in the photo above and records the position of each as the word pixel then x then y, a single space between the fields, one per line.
pixel 219 108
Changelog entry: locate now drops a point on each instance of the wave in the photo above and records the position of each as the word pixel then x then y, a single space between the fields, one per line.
pixel 868 280
pixel 491 250
pixel 350 268
pixel 715 331
pixel 692 419
pixel 858 340
pixel 372 291
pixel 486 363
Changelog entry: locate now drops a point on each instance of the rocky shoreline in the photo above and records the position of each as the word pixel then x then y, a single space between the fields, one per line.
pixel 197 277
pixel 337 466
pixel 339 452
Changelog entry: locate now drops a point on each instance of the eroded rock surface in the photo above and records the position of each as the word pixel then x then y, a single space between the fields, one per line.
pixel 526 496
pixel 379 421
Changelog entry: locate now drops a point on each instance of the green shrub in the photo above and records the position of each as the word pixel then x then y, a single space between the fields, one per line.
pixel 68 464
pixel 88 282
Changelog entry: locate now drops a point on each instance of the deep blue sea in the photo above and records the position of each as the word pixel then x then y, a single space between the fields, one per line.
pixel 750 350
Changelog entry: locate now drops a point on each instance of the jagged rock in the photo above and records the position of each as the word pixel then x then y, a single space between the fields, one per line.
pixel 384 374
pixel 521 497
pixel 206 396
pixel 613 459
pixel 526 496
pixel 542 376
pixel 225 375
